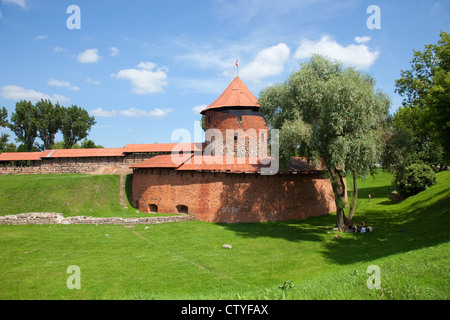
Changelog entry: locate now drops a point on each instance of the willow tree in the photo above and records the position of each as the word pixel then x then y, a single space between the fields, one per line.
pixel 333 116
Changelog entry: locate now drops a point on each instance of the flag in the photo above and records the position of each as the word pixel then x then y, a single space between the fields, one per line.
pixel 236 63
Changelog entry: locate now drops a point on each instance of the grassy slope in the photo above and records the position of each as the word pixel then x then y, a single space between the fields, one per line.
pixel 186 260
pixel 69 194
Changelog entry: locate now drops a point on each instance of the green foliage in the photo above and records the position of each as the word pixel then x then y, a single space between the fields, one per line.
pixel 76 125
pixel 49 118
pixel 3 116
pixel 426 91
pixel 202 122
pixel 89 144
pixel 415 178
pixel 24 123
pixel 4 138
pixel 43 121
pixel 329 114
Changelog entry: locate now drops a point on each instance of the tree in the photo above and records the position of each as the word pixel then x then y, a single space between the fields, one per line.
pixel 331 115
pixel 24 124
pixel 3 117
pixel 49 122
pixel 89 144
pixel 4 145
pixel 76 124
pixel 426 90
pixel 415 178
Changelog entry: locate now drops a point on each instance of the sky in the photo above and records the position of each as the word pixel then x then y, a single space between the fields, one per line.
pixel 144 69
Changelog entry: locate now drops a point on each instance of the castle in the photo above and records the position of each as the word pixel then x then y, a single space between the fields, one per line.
pixel 228 178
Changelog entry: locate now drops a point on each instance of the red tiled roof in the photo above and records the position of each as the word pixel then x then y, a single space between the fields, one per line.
pixel 297 164
pixel 161 147
pixel 26 156
pixel 223 164
pixel 164 161
pixel 243 165
pixel 235 95
pixel 83 153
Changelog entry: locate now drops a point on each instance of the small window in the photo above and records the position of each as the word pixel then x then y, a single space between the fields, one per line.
pixel 182 208
pixel 236 135
pixel 152 208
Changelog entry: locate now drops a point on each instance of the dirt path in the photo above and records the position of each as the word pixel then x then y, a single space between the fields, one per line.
pixel 122 191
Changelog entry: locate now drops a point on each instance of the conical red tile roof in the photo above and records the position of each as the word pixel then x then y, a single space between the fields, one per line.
pixel 235 95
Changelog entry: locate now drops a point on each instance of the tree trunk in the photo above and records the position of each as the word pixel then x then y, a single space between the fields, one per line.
pixel 355 196
pixel 337 182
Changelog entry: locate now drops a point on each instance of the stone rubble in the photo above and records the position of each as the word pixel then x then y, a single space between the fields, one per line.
pixel 58 218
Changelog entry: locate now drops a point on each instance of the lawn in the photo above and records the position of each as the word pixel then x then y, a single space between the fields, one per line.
pixel 185 260
pixel 69 194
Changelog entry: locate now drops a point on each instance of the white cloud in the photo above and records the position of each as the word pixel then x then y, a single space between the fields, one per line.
pixel 362 39
pixel 132 113
pixel 114 51
pixel 13 92
pixel 20 3
pixel 198 109
pixel 139 113
pixel 41 37
pixel 90 80
pixel 99 112
pixel 88 56
pixel 144 80
pixel 359 56
pixel 59 49
pixel 206 60
pixel 268 62
pixel 58 83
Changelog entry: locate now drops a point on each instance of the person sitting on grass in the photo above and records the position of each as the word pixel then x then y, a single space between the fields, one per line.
pixel 352 227
pixel 362 229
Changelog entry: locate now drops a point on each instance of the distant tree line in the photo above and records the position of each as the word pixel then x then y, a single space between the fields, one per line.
pixel 44 120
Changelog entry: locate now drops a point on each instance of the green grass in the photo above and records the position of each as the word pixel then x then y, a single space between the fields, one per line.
pixel 410 244
pixel 69 194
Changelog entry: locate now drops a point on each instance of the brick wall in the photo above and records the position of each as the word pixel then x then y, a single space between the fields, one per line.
pixel 247 127
pixel 75 165
pixel 222 197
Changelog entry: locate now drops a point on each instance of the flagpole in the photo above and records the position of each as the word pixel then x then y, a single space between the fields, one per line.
pixel 237 67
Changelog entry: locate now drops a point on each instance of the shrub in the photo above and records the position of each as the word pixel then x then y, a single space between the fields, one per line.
pixel 414 179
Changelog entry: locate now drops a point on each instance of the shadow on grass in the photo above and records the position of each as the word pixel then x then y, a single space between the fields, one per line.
pixel 402 229
pixel 311 229
pixel 129 189
pixel 418 228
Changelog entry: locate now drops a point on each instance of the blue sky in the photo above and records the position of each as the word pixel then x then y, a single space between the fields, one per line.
pixel 145 68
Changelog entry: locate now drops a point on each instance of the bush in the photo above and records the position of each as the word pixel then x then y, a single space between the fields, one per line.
pixel 414 179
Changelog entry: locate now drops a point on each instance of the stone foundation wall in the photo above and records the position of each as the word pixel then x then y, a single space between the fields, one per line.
pixel 58 218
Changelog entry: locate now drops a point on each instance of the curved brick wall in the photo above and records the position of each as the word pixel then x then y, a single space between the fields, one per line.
pixel 222 197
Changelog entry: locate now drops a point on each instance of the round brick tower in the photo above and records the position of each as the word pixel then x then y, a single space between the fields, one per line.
pixel 234 118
